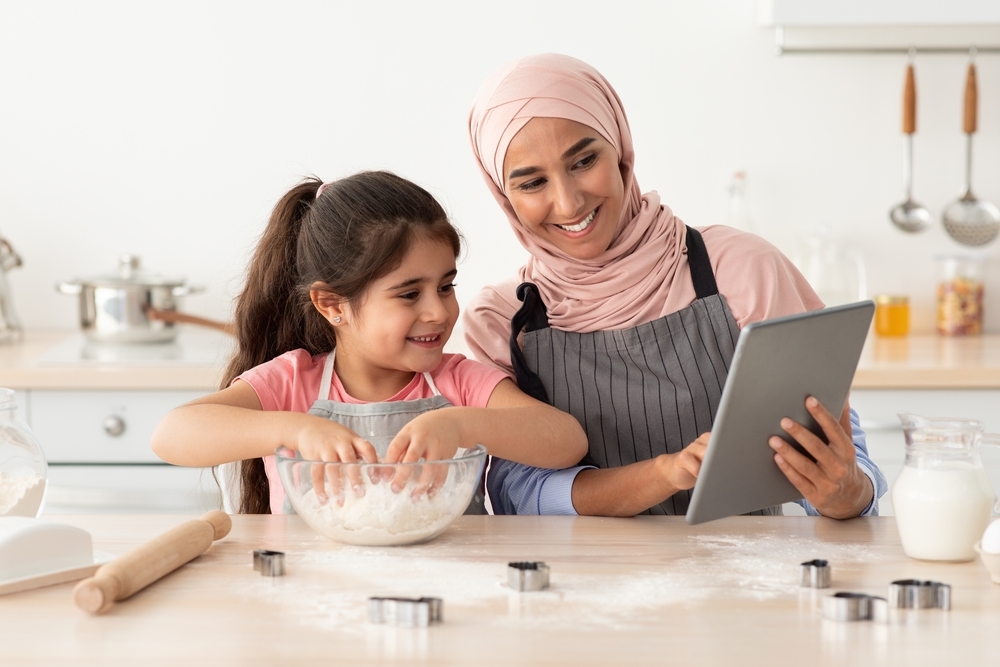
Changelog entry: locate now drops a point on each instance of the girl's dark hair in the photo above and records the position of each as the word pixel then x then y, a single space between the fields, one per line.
pixel 357 231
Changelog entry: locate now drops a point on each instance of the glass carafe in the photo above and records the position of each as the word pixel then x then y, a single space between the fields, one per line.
pixel 22 464
pixel 942 497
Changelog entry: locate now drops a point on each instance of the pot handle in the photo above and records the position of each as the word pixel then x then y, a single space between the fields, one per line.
pixel 186 290
pixel 69 288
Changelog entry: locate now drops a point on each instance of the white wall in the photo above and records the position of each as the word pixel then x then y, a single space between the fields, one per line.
pixel 169 129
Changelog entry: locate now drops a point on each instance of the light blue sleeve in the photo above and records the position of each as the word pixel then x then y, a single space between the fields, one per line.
pixel 519 489
pixel 867 466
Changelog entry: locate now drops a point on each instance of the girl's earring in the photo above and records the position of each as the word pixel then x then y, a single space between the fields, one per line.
pixel 336 320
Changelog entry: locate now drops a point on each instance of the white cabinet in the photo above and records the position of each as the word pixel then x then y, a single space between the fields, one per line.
pixel 878 410
pixel 97 446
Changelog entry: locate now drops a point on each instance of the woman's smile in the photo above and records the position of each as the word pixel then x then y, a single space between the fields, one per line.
pixel 565 186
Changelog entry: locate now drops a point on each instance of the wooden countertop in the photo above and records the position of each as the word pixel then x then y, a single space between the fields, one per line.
pixel 648 590
pixel 930 362
pixel 912 362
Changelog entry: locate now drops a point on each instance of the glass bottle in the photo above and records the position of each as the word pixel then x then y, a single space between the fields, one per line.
pixel 892 315
pixel 22 464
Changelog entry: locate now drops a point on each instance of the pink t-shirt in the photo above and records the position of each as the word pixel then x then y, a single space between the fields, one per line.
pixel 291 382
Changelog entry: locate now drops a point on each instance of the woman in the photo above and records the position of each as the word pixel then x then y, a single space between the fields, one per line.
pixel 621 301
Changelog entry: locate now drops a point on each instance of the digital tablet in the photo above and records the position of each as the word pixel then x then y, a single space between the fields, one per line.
pixel 776 365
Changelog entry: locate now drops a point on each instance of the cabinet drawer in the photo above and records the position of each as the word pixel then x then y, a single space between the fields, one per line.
pixel 100 426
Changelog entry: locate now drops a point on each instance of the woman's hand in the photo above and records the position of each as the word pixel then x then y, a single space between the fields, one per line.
pixel 834 484
pixel 432 436
pixel 681 470
pixel 321 439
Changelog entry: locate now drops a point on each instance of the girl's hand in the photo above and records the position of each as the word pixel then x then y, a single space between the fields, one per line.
pixel 681 470
pixel 324 440
pixel 432 436
pixel 834 484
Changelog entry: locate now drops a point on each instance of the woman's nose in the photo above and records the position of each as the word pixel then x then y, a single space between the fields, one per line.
pixel 567 198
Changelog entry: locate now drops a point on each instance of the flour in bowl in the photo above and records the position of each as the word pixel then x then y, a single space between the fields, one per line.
pixel 382 517
pixel 21 495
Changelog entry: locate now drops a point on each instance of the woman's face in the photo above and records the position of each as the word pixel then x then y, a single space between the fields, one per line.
pixel 563 180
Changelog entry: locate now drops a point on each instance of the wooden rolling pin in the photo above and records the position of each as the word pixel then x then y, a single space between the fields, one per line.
pixel 129 574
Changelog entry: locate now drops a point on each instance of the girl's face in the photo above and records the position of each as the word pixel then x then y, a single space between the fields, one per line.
pixel 563 180
pixel 404 320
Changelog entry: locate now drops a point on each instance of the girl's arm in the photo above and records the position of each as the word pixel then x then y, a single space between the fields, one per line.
pixel 513 426
pixel 230 425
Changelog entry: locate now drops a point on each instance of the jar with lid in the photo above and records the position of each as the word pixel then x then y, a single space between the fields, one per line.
pixel 892 315
pixel 960 294
pixel 23 469
pixel 942 497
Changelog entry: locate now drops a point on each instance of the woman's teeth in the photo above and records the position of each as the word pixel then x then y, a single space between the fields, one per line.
pixel 582 225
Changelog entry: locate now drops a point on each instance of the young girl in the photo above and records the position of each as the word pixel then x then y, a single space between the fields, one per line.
pixel 348 304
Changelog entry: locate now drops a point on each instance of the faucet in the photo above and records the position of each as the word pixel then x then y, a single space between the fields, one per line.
pixel 10 325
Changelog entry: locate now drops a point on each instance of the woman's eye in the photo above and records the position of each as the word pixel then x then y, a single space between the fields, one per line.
pixel 531 185
pixel 587 161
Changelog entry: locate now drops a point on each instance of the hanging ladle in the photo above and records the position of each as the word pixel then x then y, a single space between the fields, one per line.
pixel 968 220
pixel 910 216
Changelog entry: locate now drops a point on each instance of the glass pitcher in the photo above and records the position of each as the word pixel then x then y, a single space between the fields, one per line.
pixel 942 497
pixel 22 464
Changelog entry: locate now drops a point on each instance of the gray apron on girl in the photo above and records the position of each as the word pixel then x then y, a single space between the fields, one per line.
pixel 638 392
pixel 378 422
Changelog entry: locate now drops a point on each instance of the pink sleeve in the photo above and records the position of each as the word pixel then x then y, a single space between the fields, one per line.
pixel 758 281
pixel 468 383
pixel 287 383
pixel 486 321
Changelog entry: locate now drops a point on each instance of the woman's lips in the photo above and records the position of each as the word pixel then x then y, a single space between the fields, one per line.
pixel 579 228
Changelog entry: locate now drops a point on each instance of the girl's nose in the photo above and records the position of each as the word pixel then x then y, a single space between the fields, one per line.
pixel 568 200
pixel 435 310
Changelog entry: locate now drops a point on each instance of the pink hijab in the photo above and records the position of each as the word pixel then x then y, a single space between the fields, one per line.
pixel 627 284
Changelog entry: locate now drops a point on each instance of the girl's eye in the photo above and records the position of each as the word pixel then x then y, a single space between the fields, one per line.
pixel 447 289
pixel 409 296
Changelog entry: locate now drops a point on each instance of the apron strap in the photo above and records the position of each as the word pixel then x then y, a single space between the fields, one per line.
pixel 530 316
pixel 430 381
pixel 701 267
pixel 326 382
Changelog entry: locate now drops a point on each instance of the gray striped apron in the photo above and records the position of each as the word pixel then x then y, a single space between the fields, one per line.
pixel 379 422
pixel 638 392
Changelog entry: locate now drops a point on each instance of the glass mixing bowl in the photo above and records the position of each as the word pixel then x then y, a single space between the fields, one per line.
pixel 23 469
pixel 354 502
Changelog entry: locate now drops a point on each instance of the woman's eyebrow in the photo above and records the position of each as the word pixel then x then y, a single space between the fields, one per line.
pixel 575 148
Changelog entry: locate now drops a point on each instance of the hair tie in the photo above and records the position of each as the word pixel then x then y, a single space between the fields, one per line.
pixel 322 187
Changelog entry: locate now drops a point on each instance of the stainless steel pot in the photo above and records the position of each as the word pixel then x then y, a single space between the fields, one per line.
pixel 116 308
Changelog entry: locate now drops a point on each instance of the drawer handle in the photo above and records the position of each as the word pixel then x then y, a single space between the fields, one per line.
pixel 114 426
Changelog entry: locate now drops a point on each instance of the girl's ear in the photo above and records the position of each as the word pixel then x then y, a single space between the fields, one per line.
pixel 329 305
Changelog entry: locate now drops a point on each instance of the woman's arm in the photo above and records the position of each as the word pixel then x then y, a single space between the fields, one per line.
pixel 513 426
pixel 230 425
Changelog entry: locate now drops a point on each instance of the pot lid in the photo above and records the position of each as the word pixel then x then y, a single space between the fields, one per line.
pixel 131 274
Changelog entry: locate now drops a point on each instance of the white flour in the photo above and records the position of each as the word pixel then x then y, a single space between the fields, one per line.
pixel 21 495
pixel 381 517
pixel 330 588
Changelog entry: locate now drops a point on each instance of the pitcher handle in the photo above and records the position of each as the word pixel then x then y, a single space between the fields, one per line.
pixel 991 439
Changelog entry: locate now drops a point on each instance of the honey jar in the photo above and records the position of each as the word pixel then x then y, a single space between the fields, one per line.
pixel 892 315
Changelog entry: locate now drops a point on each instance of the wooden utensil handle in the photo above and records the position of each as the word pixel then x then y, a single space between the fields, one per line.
pixel 970 100
pixel 183 318
pixel 140 567
pixel 909 102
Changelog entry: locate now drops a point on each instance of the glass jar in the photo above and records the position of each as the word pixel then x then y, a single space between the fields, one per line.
pixel 960 295
pixel 892 315
pixel 22 463
pixel 942 497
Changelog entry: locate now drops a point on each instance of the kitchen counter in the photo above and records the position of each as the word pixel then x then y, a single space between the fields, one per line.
pixel 648 590
pixel 912 362
pixel 930 362
pixel 65 360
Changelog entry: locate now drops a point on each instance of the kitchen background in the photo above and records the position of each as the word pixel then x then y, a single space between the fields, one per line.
pixel 169 129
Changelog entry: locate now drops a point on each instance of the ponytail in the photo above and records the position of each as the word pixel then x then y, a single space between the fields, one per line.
pixel 272 319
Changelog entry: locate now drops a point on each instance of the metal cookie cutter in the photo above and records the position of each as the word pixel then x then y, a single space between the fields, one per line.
pixel 269 563
pixel 528 576
pixel 409 612
pixel 815 574
pixel 847 606
pixel 916 594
